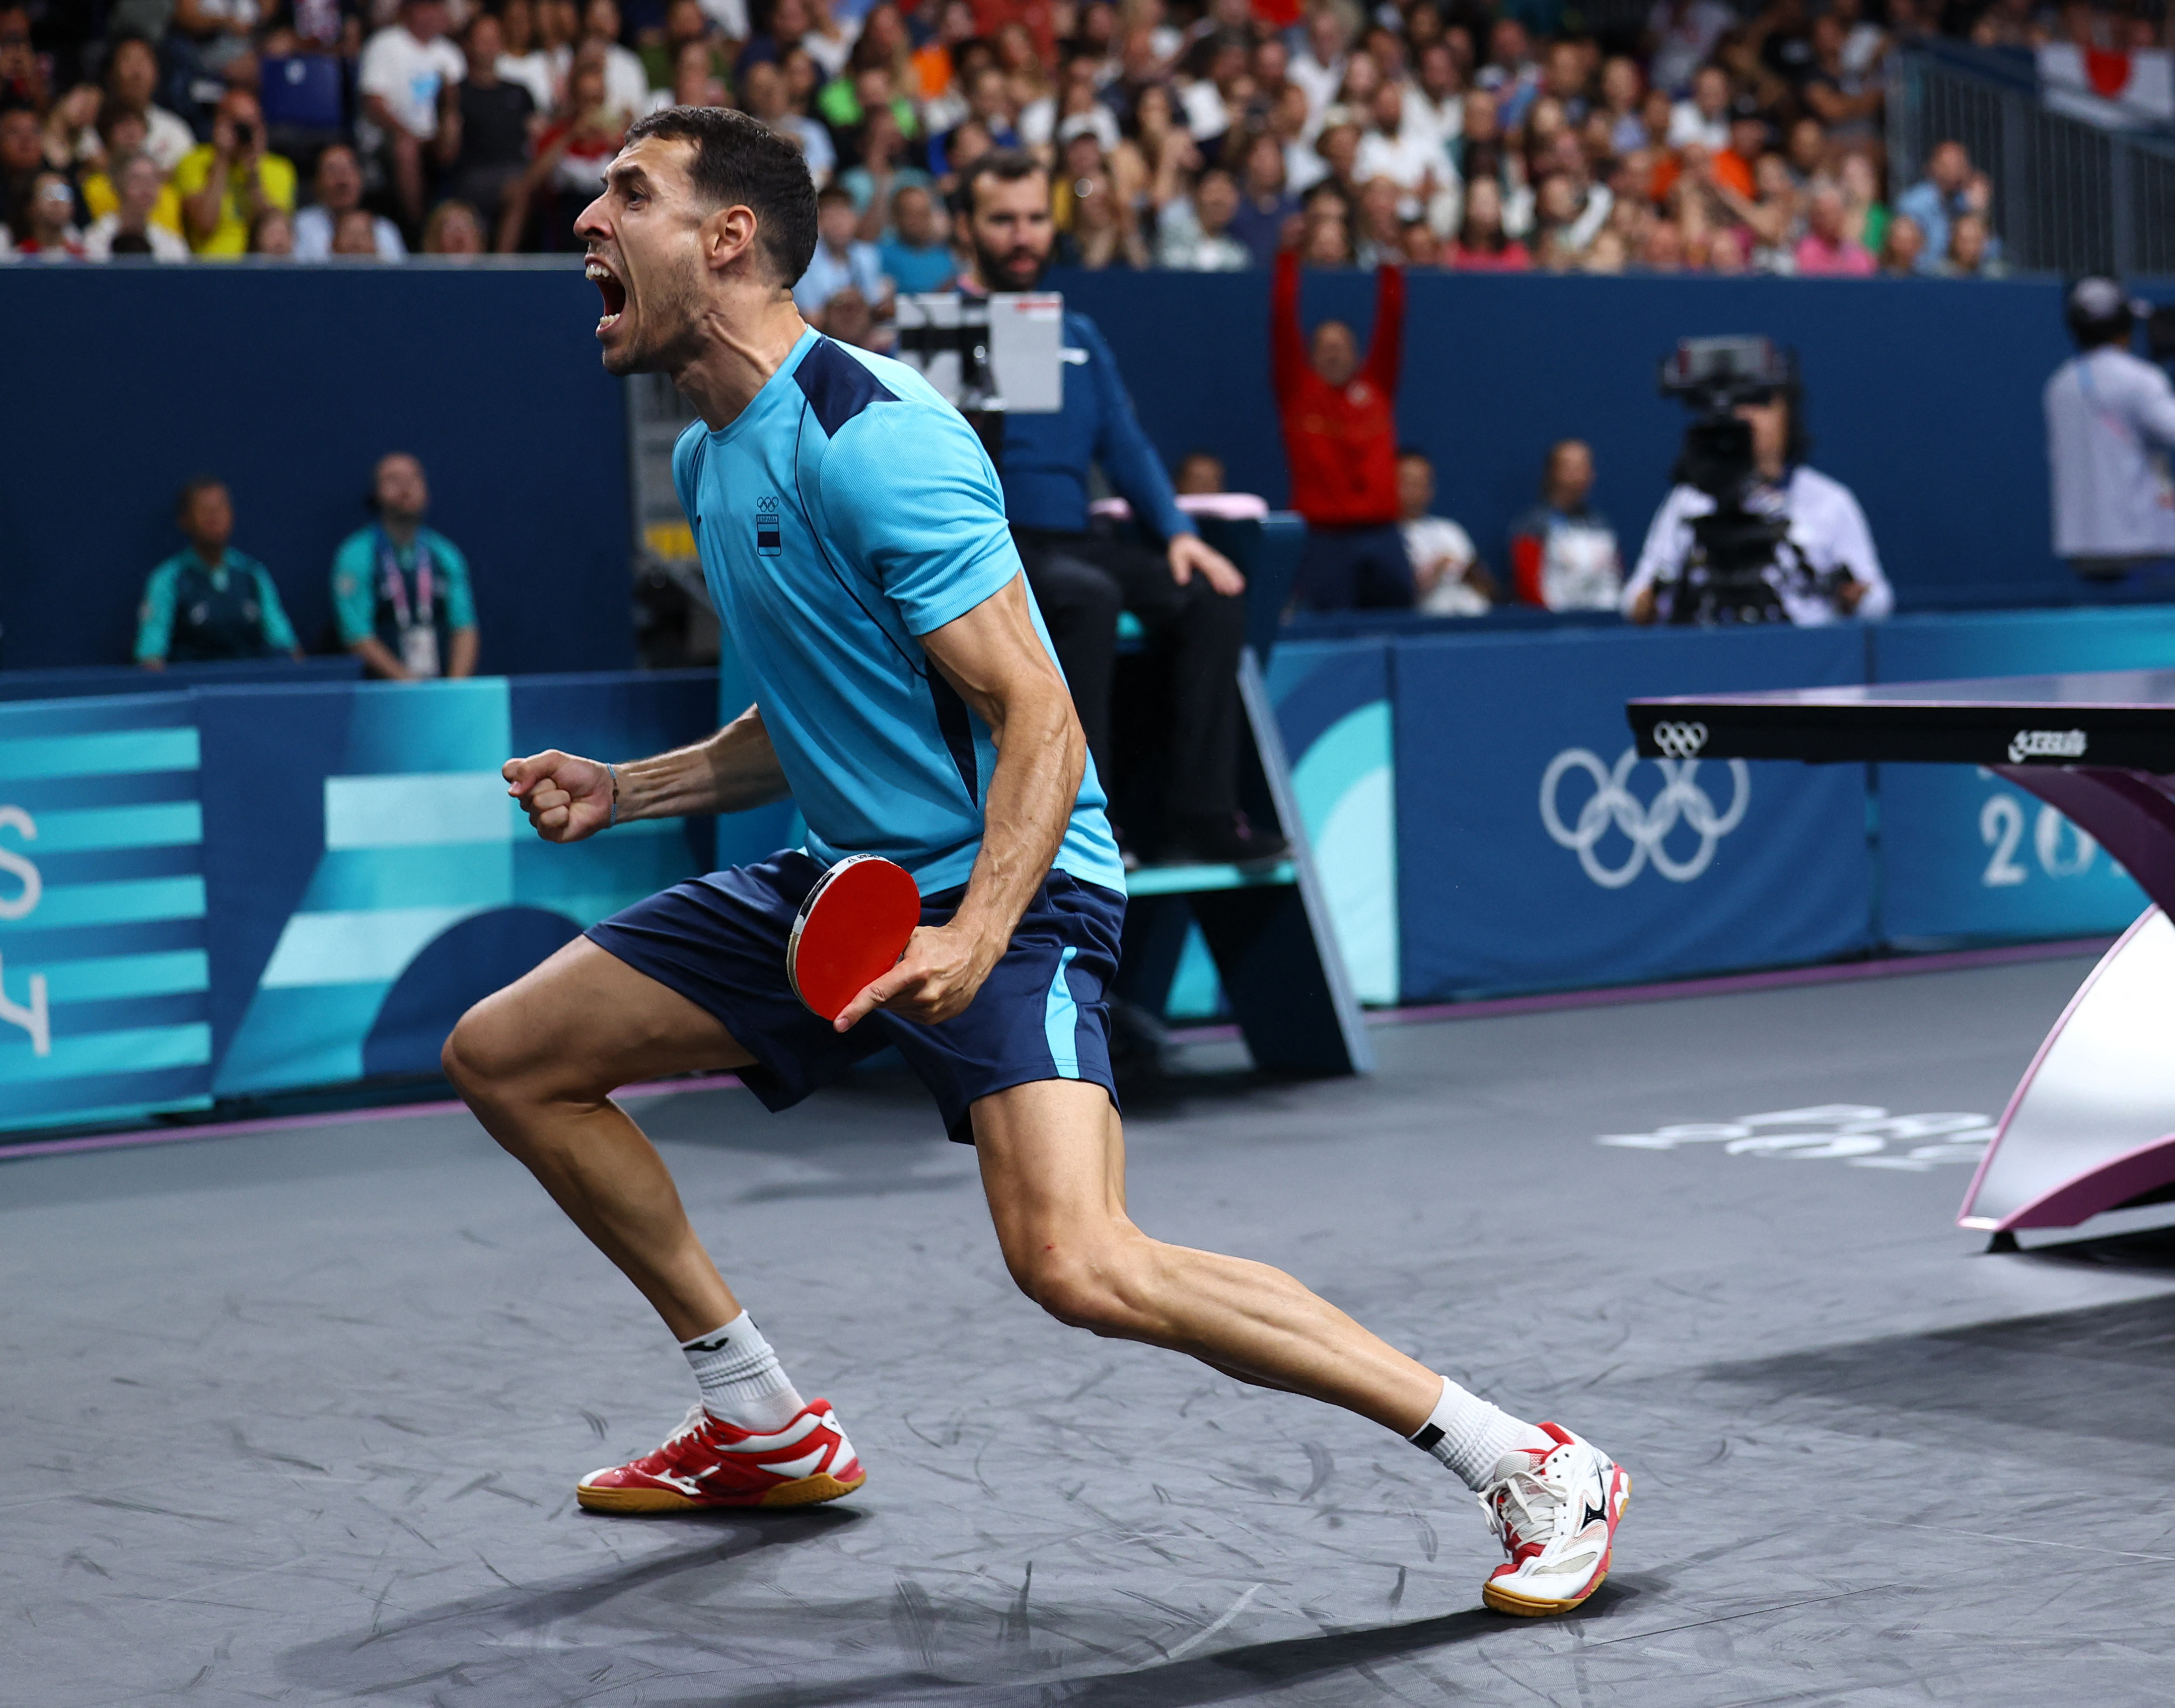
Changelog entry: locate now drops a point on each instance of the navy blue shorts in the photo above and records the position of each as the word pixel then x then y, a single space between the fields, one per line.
pixel 1043 1013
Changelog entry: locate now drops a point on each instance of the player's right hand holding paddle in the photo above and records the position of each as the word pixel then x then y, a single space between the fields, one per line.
pixel 565 798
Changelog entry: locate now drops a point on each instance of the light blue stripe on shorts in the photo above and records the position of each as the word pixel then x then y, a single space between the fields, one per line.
pixel 1060 1020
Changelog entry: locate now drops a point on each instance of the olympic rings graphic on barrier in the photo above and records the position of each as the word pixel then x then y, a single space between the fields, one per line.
pixel 1648 825
pixel 1680 741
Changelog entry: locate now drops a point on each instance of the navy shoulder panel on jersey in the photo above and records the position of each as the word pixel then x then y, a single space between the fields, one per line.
pixel 837 387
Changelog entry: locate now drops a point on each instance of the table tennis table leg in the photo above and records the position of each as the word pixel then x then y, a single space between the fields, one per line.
pixel 2091 1125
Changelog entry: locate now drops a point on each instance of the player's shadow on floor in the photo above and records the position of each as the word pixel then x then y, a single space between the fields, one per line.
pixel 476 1639
pixel 1245 1672
pixel 2105 1371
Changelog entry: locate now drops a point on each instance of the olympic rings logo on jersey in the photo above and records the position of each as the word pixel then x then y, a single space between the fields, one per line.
pixel 1680 741
pixel 1681 800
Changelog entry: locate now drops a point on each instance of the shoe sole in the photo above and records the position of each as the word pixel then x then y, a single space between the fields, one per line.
pixel 806 1491
pixel 1503 1601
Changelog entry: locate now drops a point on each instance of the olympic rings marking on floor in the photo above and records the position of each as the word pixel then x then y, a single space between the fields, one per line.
pixel 1648 825
pixel 1680 741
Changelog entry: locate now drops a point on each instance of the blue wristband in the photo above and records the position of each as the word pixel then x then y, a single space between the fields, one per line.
pixel 614 818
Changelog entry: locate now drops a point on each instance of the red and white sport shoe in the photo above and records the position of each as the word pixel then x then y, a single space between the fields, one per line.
pixel 706 1463
pixel 1555 1513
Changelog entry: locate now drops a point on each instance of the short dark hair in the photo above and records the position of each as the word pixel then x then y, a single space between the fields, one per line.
pixel 831 194
pixel 1005 165
pixel 185 500
pixel 1408 453
pixel 740 162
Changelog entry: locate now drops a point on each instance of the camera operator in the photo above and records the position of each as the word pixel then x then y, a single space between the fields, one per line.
pixel 1189 596
pixel 2110 424
pixel 1821 566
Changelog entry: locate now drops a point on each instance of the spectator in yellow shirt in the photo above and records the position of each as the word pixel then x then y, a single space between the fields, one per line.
pixel 226 183
pixel 125 134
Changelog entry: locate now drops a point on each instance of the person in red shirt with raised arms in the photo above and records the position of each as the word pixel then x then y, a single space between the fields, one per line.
pixel 1341 437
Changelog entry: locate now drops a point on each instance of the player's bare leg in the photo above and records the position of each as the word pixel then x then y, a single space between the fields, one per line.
pixel 1053 1156
pixel 538 1063
pixel 1053 1164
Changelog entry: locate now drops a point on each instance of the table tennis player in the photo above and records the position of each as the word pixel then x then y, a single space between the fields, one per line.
pixel 854 538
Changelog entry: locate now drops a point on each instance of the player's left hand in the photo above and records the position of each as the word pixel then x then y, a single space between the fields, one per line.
pixel 1190 554
pixel 935 978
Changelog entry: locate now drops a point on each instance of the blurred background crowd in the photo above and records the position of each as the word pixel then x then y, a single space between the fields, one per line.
pixel 1184 134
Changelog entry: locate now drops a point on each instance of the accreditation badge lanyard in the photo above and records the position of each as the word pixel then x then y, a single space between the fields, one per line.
pixel 419 632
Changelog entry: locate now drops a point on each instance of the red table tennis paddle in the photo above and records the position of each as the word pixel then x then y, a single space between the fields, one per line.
pixel 852 930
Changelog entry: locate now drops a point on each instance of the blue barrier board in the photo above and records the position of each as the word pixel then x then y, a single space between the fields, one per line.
pixel 1536 850
pixel 1962 854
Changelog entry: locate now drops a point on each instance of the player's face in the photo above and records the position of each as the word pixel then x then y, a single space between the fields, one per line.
pixel 1012 232
pixel 644 235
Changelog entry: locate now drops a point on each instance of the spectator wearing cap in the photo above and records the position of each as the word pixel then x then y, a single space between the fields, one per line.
pixel 404 66
pixel 132 227
pixel 1949 188
pixel 227 182
pixel 401 590
pixel 1339 412
pixel 2110 429
pixel 1563 552
pixel 337 191
pixel 209 601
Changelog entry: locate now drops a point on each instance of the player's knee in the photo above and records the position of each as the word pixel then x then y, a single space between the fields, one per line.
pixel 485 1057
pixel 1090 1290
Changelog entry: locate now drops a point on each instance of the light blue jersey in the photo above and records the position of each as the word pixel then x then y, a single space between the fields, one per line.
pixel 847 511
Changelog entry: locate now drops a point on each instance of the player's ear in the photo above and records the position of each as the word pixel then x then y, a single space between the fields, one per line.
pixel 728 237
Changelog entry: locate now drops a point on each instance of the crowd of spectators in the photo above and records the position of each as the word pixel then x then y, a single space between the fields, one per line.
pixel 1191 134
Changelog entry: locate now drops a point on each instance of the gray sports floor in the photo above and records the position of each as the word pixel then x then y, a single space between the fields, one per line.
pixel 295 1417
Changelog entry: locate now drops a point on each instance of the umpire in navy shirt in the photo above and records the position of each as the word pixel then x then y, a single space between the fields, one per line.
pixel 1188 595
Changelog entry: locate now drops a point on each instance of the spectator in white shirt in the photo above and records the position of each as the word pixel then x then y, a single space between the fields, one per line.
pixel 1318 67
pixel 1825 570
pixel 525 59
pixel 1449 579
pixel 1406 155
pixel 131 79
pixel 1194 233
pixel 1435 105
pixel 1705 117
pixel 403 67
pixel 338 188
pixel 128 229
pixel 2110 427
pixel 626 84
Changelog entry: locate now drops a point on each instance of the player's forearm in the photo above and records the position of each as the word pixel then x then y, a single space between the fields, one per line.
pixel 1041 755
pixel 735 769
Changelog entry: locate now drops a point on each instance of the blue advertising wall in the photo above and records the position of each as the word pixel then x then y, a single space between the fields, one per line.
pixel 233 892
pixel 289 384
pixel 1923 396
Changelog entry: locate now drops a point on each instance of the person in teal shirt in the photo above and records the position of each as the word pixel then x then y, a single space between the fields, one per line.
pixel 401 590
pixel 210 602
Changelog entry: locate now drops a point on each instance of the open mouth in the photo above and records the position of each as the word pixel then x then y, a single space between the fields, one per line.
pixel 610 288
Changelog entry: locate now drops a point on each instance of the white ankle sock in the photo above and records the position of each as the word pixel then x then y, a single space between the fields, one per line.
pixel 1469 1435
pixel 742 1382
